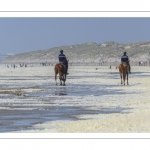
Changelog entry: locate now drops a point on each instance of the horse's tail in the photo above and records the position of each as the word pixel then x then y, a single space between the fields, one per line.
pixel 61 71
pixel 56 71
pixel 124 70
pixel 60 67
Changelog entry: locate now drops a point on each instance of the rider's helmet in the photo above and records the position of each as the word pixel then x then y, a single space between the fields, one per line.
pixel 125 53
pixel 61 51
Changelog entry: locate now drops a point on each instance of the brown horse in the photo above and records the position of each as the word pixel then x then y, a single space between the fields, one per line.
pixel 62 71
pixel 124 71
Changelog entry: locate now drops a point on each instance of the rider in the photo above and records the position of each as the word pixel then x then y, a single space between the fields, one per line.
pixel 61 58
pixel 125 58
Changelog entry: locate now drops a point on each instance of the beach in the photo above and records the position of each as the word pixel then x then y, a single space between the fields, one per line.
pixel 93 100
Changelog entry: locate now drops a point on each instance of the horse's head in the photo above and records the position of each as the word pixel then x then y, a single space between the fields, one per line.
pixel 65 61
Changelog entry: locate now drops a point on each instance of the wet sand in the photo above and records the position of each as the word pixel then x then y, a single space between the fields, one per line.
pixel 92 101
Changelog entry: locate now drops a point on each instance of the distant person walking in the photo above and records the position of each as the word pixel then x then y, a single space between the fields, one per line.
pixel 62 59
pixel 125 58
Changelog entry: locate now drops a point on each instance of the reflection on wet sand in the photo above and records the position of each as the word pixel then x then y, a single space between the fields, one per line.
pixel 61 91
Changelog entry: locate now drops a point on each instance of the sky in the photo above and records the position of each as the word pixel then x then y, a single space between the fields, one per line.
pixel 20 35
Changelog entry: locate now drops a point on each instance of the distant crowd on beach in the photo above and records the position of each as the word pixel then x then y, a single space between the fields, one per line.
pixel 15 66
pixel 25 65
pixel 141 63
pixel 78 63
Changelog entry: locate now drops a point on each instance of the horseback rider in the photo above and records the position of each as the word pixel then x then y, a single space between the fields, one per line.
pixel 62 58
pixel 125 58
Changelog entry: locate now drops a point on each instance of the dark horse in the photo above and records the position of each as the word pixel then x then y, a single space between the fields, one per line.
pixel 62 71
pixel 124 71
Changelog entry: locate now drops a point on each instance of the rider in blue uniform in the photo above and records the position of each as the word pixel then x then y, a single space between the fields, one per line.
pixel 62 58
pixel 125 58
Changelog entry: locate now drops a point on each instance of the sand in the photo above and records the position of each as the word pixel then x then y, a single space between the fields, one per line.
pixel 124 109
pixel 133 120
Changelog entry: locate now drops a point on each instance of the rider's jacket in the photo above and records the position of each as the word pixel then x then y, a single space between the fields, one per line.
pixel 125 58
pixel 61 58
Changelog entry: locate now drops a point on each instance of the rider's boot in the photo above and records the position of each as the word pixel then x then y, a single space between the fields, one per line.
pixel 67 71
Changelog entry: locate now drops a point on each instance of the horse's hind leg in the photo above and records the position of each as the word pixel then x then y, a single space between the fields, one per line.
pixel 64 82
pixel 56 78
pixel 124 78
pixel 121 78
pixel 127 79
pixel 60 80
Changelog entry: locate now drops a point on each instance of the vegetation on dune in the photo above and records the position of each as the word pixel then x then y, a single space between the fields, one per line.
pixel 86 52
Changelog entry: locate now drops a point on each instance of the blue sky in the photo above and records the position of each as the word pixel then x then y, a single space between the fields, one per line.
pixel 19 35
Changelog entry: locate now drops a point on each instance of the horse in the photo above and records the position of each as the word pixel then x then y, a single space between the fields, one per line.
pixel 61 69
pixel 124 71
